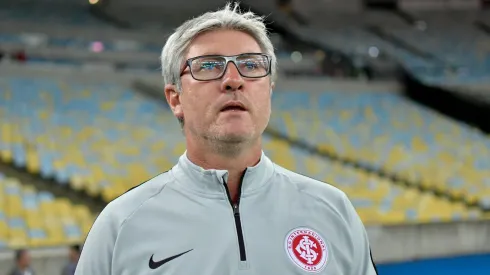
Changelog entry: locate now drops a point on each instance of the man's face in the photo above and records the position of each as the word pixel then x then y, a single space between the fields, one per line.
pixel 74 255
pixel 202 102
pixel 25 259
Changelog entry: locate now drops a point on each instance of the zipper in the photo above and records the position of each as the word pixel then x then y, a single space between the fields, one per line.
pixel 236 215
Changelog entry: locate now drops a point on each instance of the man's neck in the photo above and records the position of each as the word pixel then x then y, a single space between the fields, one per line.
pixel 235 164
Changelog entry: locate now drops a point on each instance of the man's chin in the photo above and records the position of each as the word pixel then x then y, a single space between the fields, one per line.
pixel 235 137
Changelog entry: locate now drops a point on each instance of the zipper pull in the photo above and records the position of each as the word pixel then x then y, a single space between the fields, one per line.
pixel 235 209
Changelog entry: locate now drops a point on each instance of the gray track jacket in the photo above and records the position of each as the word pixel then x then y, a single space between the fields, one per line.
pixel 182 222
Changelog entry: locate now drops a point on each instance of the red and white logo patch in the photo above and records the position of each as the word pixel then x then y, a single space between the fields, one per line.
pixel 307 249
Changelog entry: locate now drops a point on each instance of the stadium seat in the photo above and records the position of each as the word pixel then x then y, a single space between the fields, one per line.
pixel 29 218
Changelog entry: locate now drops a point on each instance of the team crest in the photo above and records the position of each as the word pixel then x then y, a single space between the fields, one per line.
pixel 307 249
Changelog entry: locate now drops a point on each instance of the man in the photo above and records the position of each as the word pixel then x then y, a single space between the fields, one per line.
pixel 22 263
pixel 225 208
pixel 73 256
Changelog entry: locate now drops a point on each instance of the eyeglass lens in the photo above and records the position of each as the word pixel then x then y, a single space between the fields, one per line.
pixel 211 67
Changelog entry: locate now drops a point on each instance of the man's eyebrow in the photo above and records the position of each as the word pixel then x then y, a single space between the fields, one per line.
pixel 205 54
pixel 219 54
pixel 210 53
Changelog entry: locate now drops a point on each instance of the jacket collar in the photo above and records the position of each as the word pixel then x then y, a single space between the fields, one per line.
pixel 211 181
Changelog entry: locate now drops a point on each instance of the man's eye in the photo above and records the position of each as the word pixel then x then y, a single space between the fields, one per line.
pixel 251 65
pixel 208 66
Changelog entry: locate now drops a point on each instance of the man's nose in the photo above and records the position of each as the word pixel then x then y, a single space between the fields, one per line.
pixel 232 80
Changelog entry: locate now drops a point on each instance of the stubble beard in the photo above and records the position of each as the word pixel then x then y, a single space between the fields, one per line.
pixel 225 143
pixel 231 145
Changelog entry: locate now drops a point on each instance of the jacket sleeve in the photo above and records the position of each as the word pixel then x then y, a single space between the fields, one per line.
pixel 363 263
pixel 97 251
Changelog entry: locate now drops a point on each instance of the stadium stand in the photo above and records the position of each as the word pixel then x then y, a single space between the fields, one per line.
pixel 105 139
pixel 386 132
pixel 102 138
pixel 378 200
pixel 414 175
pixel 49 13
pixel 460 45
pixel 32 218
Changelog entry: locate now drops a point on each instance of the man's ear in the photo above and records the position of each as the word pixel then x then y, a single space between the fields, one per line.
pixel 173 98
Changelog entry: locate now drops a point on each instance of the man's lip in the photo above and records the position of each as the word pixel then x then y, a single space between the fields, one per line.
pixel 233 106
pixel 233 110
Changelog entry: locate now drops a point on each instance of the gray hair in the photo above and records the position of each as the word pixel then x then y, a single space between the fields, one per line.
pixel 229 17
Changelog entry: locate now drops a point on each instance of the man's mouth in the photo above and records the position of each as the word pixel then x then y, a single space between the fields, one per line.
pixel 233 107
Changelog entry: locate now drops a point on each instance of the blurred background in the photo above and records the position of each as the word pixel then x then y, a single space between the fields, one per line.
pixel 387 100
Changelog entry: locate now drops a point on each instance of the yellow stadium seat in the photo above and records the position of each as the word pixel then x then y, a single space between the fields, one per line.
pixel 286 161
pixel 17 238
pixel 29 189
pixel 369 216
pixel 312 166
pixel 419 145
pixel 36 243
pixel 77 182
pixel 109 193
pixel 92 188
pixel 6 132
pixel 4 230
pixel 158 146
pixel 345 115
pixel 81 213
pixel 326 147
pixel 13 206
pixel 397 154
pixel 63 207
pixel 52 223
pixel 34 219
pixel 369 114
pixel 290 125
pixel 33 164
pixel 107 106
pixel 349 152
pixel 86 228
pixel 179 149
pixel 6 156
pixel 395 217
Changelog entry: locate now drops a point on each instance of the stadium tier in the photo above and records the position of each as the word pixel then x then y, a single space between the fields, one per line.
pixel 105 139
pixel 78 43
pixel 358 42
pixel 377 200
pixel 102 137
pixel 46 14
pixel 461 46
pixel 29 218
pixel 388 133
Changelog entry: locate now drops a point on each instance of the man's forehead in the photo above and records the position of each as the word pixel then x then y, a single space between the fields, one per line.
pixel 223 42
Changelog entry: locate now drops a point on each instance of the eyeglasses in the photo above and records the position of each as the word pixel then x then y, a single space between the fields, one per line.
pixel 211 67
